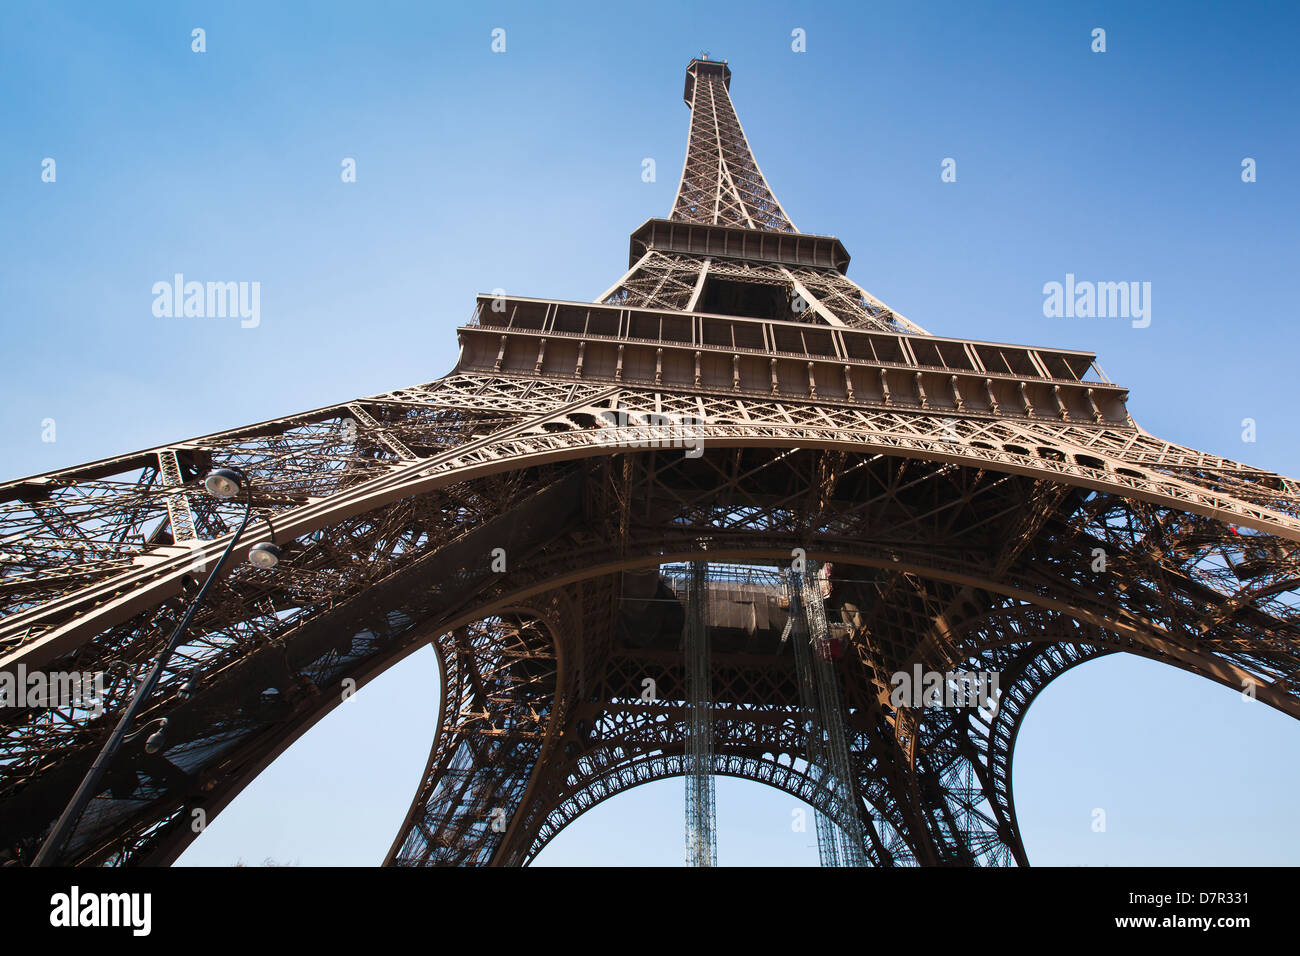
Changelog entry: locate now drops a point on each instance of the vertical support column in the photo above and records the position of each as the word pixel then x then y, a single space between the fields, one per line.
pixel 820 692
pixel 178 503
pixel 828 843
pixel 810 725
pixel 701 812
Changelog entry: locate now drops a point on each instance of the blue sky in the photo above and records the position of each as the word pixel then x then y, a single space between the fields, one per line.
pixel 522 170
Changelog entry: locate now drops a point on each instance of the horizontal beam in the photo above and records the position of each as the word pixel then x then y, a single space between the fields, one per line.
pixel 791 360
pixel 737 242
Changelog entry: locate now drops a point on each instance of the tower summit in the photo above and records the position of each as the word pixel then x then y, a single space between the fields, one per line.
pixel 737 516
pixel 721 183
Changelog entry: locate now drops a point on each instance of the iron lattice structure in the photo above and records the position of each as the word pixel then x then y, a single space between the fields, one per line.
pixel 985 507
pixel 701 803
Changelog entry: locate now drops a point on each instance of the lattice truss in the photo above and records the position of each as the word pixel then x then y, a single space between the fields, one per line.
pixel 959 543
pixel 821 704
pixel 721 182
pixel 659 280
pixel 701 804
pixel 670 280
pixel 499 686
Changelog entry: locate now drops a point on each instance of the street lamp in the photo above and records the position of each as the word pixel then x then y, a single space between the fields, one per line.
pixel 265 555
pixel 223 483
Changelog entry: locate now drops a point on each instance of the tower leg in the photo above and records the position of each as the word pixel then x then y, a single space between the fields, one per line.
pixel 498 697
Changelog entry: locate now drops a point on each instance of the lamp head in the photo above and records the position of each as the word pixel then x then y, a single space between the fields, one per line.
pixel 225 482
pixel 265 555
pixel 158 739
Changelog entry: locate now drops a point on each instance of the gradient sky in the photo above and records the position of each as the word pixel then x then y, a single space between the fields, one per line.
pixel 522 171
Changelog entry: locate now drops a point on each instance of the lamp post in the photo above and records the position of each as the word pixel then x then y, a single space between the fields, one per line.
pixel 222 483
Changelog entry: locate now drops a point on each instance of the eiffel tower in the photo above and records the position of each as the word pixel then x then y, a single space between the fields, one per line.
pixel 703 525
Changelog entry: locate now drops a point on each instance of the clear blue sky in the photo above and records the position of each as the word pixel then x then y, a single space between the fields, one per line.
pixel 522 170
